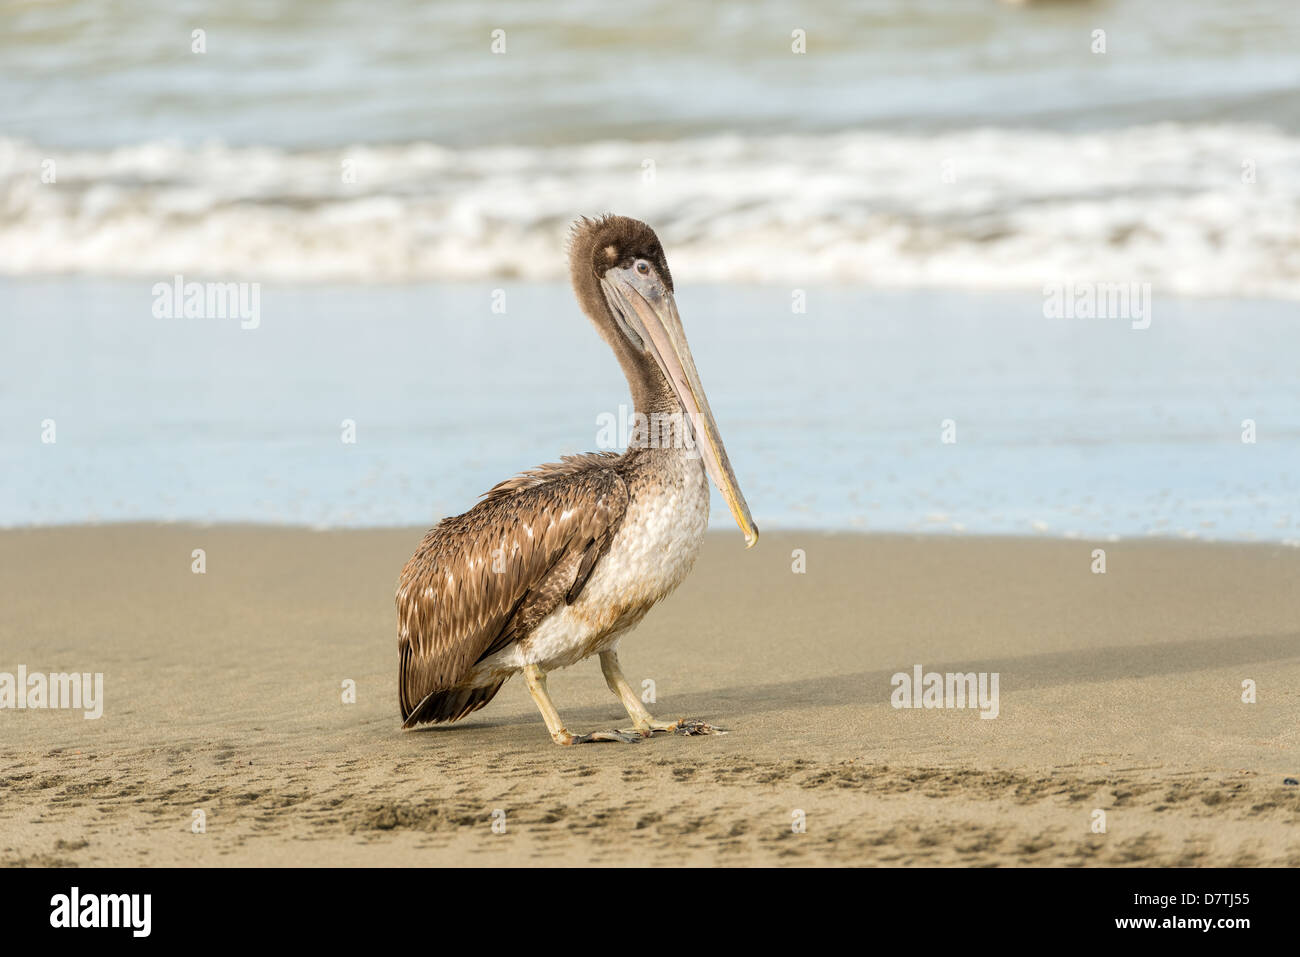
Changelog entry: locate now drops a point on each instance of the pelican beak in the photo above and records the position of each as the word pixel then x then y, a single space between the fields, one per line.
pixel 647 315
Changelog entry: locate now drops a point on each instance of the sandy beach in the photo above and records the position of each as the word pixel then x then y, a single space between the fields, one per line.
pixel 223 692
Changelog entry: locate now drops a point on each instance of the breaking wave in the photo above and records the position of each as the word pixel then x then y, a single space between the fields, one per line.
pixel 1172 205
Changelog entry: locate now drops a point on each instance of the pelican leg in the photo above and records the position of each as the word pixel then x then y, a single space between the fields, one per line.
pixel 536 680
pixel 642 719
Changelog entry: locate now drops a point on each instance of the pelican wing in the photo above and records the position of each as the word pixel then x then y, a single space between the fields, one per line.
pixel 482 580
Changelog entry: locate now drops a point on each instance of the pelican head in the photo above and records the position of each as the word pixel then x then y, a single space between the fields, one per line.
pixel 621 278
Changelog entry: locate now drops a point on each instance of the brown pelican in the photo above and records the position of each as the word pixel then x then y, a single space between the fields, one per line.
pixel 558 563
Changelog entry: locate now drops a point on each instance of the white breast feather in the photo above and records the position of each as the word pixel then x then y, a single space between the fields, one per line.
pixel 652 552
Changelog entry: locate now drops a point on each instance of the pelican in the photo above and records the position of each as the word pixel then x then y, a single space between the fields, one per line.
pixel 560 562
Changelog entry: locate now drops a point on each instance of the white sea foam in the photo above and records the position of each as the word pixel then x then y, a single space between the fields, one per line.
pixel 1163 204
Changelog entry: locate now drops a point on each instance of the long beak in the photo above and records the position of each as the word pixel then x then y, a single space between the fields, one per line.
pixel 661 329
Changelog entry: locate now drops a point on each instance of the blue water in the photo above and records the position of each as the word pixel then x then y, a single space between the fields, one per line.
pixel 832 418
pixel 953 144
pixel 303 74
pixel 380 175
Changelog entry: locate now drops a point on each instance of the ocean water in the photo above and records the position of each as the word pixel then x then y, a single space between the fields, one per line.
pixel 917 143
pixel 1158 203
pixel 301 74
pixel 833 418
pixel 922 173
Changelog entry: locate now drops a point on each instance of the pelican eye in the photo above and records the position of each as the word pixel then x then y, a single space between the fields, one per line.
pixel 643 267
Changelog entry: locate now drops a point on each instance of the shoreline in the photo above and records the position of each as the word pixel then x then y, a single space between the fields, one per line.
pixel 718 532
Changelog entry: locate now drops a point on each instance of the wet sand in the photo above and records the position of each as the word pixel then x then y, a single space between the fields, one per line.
pixel 223 693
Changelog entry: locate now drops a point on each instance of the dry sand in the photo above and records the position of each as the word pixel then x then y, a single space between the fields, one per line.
pixel 1119 692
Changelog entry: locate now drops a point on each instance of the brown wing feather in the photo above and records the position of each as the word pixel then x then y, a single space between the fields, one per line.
pixel 482 580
